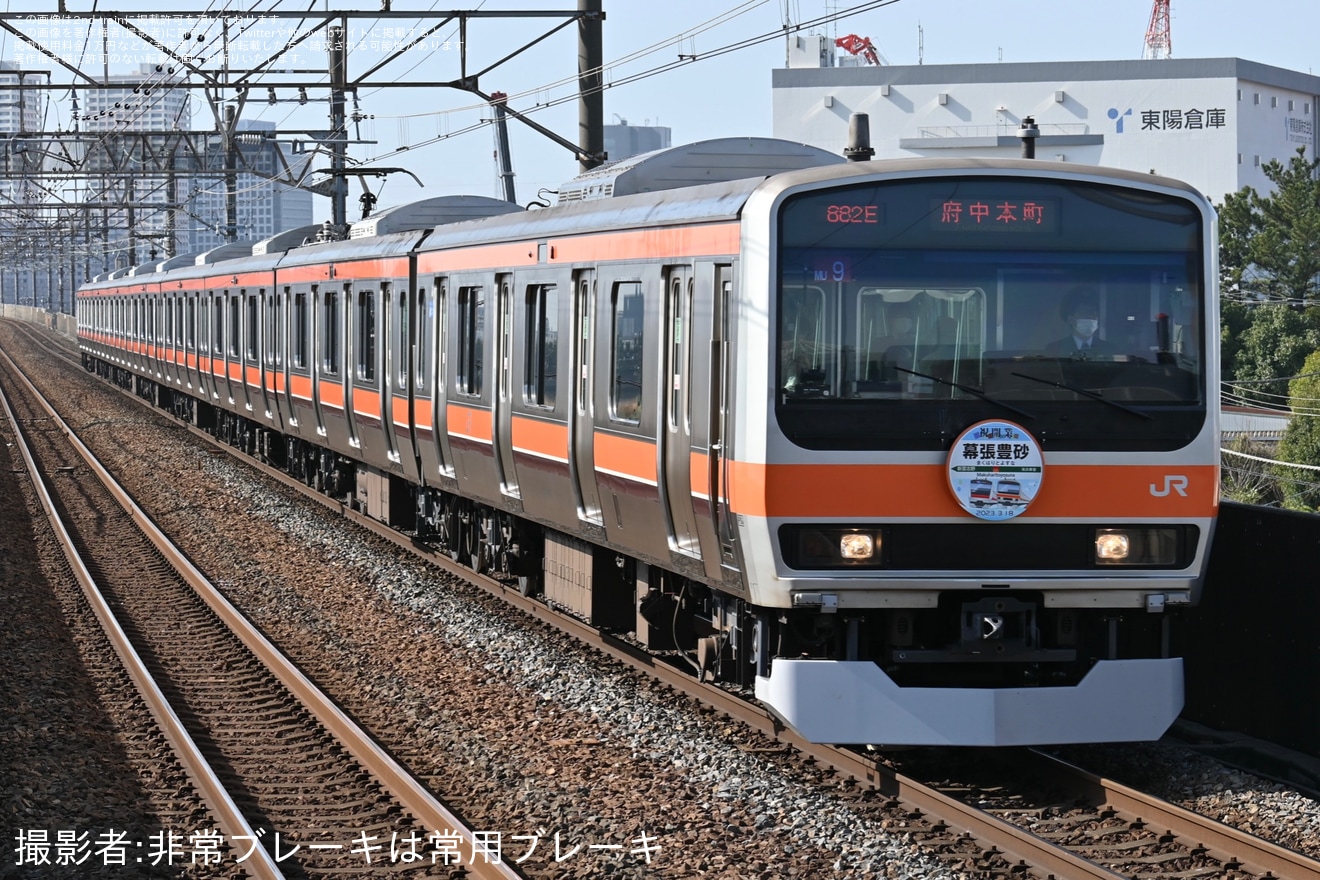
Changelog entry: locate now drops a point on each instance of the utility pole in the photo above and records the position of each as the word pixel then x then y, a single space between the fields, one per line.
pixel 498 100
pixel 591 106
pixel 338 129
pixel 231 175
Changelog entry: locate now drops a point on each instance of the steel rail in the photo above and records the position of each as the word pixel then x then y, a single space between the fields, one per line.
pixel 401 783
pixel 227 814
pixel 1222 842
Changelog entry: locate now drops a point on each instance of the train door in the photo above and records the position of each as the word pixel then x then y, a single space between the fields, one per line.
pixel 351 328
pixel 675 423
pixel 293 336
pixel 390 324
pixel 401 366
pixel 253 369
pixel 720 394
pixel 502 398
pixel 437 322
pixel 219 376
pixel 582 418
pixel 263 357
pixel 234 348
pixel 325 354
pixel 190 340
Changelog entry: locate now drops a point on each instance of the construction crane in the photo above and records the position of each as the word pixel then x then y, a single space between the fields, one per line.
pixel 856 45
pixel 1159 40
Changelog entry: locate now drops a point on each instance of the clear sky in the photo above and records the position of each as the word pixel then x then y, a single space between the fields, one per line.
pixel 721 93
pixel 729 94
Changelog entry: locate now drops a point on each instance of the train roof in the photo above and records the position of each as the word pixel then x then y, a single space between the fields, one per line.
pixel 972 166
pixel 289 238
pixel 703 162
pixel 429 213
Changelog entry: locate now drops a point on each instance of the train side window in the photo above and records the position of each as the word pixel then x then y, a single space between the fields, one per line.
pixel 218 325
pixel 400 344
pixel 471 338
pixel 190 328
pixel 441 333
pixel 298 354
pixel 626 357
pixel 330 336
pixel 235 327
pixel 541 346
pixel 425 317
pixel 366 336
pixel 253 323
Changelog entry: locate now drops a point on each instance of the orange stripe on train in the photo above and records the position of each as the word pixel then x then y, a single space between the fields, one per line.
pixel 539 437
pixel 908 491
pixel 626 456
pixel 472 423
pixel 683 241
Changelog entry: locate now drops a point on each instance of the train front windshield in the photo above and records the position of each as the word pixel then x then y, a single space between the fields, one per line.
pixel 910 309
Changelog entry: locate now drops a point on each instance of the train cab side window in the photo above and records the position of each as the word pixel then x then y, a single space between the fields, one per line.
pixel 626 357
pixel 366 336
pixel 471 339
pixel 298 353
pixel 541 344
pixel 330 333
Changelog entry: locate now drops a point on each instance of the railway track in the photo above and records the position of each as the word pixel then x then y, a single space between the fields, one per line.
pixel 995 826
pixel 294 785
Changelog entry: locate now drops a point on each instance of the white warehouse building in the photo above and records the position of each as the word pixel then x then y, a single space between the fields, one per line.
pixel 1210 122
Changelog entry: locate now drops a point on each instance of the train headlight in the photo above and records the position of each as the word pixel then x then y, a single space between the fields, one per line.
pixel 1136 546
pixel 1112 546
pixel 857 546
pixel 807 547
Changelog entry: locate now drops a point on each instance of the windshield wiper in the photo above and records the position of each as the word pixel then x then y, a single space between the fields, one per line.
pixel 976 392
pixel 1091 394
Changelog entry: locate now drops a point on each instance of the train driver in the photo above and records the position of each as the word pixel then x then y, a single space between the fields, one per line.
pixel 1080 310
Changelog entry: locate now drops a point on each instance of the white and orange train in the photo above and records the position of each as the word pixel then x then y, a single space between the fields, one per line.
pixel 785 377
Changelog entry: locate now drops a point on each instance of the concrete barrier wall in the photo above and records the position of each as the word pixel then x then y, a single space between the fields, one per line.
pixel 60 323
pixel 1252 647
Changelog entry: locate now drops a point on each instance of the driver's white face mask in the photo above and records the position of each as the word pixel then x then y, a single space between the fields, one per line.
pixel 1086 326
pixel 902 326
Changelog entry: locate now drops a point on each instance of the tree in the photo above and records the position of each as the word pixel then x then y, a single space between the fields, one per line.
pixel 1301 439
pixel 1234 319
pixel 1275 346
pixel 1246 476
pixel 1269 246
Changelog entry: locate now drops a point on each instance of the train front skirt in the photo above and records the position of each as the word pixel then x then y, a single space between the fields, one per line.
pixel 855 702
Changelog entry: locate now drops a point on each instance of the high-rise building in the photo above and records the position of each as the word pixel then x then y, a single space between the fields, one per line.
pixel 262 206
pixel 21 218
pixel 141 216
pixel 189 202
